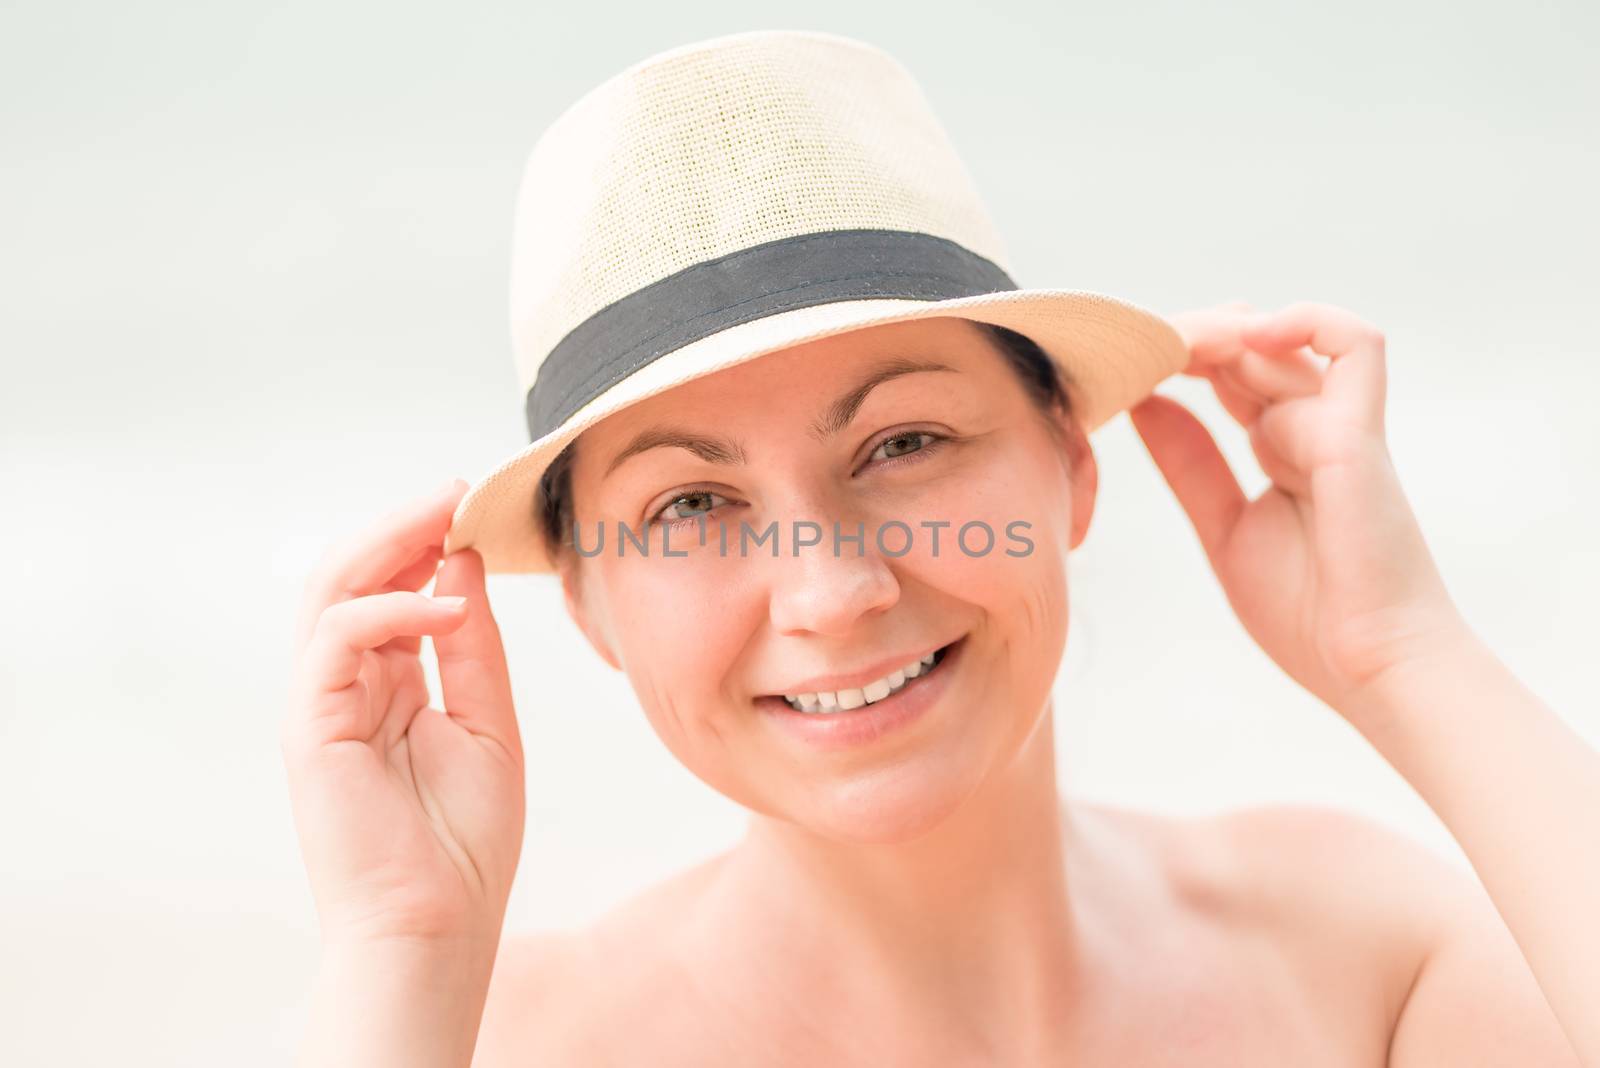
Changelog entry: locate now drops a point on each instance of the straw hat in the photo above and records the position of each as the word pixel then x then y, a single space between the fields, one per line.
pixel 735 196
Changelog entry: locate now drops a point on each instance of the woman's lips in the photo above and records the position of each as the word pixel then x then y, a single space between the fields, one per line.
pixel 908 665
pixel 859 726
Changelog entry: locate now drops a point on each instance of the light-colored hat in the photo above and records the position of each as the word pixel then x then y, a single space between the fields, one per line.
pixel 735 196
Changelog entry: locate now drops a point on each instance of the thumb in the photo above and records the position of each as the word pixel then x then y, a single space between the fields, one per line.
pixel 1193 467
pixel 473 675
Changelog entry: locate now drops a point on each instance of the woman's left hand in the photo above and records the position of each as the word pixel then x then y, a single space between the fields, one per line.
pixel 1327 569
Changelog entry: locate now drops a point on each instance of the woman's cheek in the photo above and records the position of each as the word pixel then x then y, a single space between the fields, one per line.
pixel 994 525
pixel 681 624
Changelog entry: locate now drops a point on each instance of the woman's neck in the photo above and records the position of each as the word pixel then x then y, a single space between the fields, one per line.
pixel 974 920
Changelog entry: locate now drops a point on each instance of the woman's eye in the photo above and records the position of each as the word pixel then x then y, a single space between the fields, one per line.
pixel 694 504
pixel 687 507
pixel 904 444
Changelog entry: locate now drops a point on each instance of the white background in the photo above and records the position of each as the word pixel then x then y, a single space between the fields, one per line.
pixel 254 269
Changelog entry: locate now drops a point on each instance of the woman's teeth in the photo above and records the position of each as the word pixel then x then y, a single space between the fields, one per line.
pixel 871 693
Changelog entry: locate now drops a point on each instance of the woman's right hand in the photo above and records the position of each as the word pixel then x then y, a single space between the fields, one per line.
pixel 410 819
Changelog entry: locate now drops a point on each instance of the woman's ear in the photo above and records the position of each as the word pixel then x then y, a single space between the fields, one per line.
pixel 1085 487
pixel 573 592
pixel 1083 475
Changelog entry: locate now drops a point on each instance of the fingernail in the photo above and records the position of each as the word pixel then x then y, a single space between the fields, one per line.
pixel 452 603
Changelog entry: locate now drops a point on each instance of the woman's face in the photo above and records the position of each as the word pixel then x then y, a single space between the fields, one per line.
pixel 715 634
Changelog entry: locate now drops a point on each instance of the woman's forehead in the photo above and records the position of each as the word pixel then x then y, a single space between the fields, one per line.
pixel 812 368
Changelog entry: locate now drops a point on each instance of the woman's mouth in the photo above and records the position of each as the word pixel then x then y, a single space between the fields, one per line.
pixel 825 702
pixel 855 717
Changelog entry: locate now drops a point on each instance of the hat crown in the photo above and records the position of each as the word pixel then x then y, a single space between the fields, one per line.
pixel 704 150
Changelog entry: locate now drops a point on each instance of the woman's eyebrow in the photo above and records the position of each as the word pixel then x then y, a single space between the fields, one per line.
pixel 726 451
pixel 711 450
pixel 841 411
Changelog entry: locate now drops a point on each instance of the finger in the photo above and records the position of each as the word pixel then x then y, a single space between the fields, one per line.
pixel 414 577
pixel 329 699
pixel 366 563
pixel 1279 376
pixel 1243 405
pixel 1194 468
pixel 473 676
pixel 419 572
pixel 1229 374
pixel 1274 465
pixel 1293 429
pixel 1212 335
pixel 1355 381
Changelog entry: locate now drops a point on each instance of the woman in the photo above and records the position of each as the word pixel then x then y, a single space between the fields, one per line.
pixel 913 888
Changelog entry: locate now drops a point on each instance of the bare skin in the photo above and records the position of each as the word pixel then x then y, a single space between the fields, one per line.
pixel 927 896
pixel 1266 936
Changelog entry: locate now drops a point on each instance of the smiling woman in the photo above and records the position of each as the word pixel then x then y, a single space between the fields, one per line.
pixel 714 642
pixel 737 307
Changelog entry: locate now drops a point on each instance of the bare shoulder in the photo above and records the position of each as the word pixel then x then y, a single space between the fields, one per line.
pixel 1470 996
pixel 1283 862
pixel 1347 906
pixel 560 996
pixel 1364 912
pixel 1292 862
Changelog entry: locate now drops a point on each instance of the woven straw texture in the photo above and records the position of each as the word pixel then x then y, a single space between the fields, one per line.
pixel 703 151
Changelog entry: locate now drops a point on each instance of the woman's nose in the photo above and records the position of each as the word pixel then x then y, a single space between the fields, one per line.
pixel 824 593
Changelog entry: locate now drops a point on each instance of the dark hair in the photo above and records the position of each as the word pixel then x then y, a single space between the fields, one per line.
pixel 1047 384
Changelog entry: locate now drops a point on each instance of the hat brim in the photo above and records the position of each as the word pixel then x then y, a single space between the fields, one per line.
pixel 1115 352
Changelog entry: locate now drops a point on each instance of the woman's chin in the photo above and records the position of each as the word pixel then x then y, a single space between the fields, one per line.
pixel 888 805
